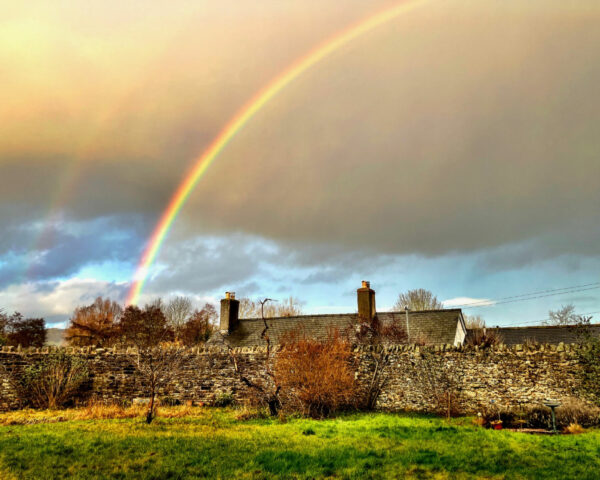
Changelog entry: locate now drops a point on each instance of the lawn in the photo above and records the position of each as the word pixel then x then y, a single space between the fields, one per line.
pixel 212 443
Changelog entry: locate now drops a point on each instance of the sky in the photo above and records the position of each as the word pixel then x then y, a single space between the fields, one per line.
pixel 454 148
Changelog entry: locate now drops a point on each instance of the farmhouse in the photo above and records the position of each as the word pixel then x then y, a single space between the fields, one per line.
pixel 432 327
pixel 445 326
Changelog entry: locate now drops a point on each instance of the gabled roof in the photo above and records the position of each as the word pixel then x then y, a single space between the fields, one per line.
pixel 437 326
pixel 552 334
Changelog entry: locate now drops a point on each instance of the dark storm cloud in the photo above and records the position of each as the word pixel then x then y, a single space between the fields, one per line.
pixel 460 127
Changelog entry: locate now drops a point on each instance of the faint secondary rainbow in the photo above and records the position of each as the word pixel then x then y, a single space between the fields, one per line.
pixel 237 122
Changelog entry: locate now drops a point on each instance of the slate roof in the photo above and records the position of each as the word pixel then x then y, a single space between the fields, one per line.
pixel 438 326
pixel 541 334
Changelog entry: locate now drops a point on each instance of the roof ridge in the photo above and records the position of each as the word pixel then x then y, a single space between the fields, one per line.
pixel 522 327
pixel 300 316
pixel 426 311
pixel 322 315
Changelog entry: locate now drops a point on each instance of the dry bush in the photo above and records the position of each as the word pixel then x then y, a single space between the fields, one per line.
pixel 484 337
pixel 316 377
pixel 54 380
pixel 573 410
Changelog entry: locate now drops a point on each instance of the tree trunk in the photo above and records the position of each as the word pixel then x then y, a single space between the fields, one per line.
pixel 150 414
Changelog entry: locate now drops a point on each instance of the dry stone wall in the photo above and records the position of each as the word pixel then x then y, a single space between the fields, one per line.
pixel 508 376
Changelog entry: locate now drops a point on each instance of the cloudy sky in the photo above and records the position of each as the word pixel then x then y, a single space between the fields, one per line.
pixel 454 148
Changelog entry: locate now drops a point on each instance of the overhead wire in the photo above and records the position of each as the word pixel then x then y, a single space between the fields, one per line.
pixel 530 296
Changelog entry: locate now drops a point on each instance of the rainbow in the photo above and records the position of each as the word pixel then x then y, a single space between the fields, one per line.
pixel 237 122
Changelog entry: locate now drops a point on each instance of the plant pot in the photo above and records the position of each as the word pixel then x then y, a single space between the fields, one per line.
pixel 497 425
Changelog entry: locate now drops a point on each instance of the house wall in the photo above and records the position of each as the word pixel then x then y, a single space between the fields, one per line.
pixel 508 376
pixel 461 333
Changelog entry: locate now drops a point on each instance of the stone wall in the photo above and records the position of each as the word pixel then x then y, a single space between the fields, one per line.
pixel 510 376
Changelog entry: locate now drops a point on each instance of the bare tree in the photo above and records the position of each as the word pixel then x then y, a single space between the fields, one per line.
pixel 268 389
pixel 563 316
pixel 157 359
pixel 158 366
pixel 178 311
pixel 474 322
pixel 438 380
pixel 417 300
pixel 377 335
pixel 290 307
pixel 248 308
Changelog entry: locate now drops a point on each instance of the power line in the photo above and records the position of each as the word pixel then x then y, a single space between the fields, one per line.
pixel 531 322
pixel 530 296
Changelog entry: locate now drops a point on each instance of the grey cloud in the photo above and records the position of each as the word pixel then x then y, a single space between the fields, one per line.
pixel 572 249
pixel 470 138
pixel 62 249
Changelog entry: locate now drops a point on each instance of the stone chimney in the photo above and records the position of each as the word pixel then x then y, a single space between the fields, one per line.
pixel 366 302
pixel 229 313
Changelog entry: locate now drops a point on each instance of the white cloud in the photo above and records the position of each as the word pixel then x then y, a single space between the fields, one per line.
pixel 55 301
pixel 467 301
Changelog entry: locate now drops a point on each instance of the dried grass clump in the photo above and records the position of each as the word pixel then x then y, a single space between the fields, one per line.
pixel 249 412
pixel 96 410
pixel 573 429
pixel 176 412
pixel 31 417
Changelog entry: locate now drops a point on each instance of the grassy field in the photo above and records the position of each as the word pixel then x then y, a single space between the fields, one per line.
pixel 213 443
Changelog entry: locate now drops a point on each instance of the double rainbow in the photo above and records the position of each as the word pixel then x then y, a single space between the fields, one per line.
pixel 260 99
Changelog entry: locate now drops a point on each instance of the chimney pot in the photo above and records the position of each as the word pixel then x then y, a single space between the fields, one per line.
pixel 366 284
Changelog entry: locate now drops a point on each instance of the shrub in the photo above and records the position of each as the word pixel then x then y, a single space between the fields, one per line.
pixel 53 381
pixel 224 400
pixel 572 411
pixel 316 377
pixel 484 337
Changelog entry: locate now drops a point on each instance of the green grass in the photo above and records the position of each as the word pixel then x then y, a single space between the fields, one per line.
pixel 213 444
